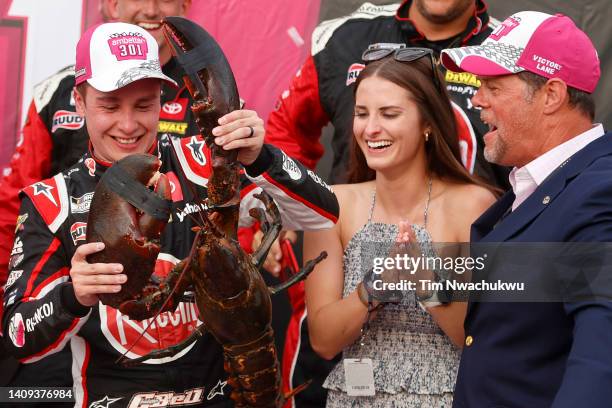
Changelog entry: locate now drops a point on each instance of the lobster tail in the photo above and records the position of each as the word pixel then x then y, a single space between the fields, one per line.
pixel 254 372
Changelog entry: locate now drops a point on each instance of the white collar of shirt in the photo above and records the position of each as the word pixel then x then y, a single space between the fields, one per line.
pixel 525 180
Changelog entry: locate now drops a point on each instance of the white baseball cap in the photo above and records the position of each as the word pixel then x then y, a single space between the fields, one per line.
pixel 112 55
pixel 550 46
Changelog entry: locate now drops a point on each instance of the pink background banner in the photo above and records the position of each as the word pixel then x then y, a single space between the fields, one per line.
pixel 265 41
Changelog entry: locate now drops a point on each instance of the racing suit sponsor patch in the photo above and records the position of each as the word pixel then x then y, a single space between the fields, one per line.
pixel 15 261
pixel 462 78
pixel 78 232
pixel 11 298
pixel 17 330
pixel 81 204
pixel 105 402
pixel 17 247
pixel 16 253
pixel 20 220
pixel 318 180
pixel 46 190
pixel 174 110
pixel 91 165
pixel 196 147
pixel 156 399
pixel 63 119
pixel 40 314
pixel 190 208
pixel 12 278
pixel 353 72
pixel 176 191
pixel 142 337
pixel 291 168
pixel 216 390
pixel 172 127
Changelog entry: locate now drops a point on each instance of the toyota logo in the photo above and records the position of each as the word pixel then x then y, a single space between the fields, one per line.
pixel 172 108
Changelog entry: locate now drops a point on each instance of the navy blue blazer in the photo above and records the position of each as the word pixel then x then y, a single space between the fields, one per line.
pixel 532 355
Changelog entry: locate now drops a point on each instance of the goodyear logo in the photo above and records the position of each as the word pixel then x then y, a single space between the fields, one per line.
pixel 172 127
pixel 462 78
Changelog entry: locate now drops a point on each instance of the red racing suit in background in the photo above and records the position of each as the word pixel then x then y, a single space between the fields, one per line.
pixel 54 138
pixel 41 310
pixel 322 92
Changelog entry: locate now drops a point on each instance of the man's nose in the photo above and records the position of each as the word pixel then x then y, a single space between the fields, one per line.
pixel 478 100
pixel 127 123
pixel 150 8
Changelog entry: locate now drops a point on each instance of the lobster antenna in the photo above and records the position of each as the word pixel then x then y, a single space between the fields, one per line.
pixel 181 276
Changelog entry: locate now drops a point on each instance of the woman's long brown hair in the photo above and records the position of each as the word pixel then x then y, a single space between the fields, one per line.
pixel 442 149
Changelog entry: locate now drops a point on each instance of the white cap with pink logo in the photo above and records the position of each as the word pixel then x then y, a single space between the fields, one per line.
pixel 550 46
pixel 112 55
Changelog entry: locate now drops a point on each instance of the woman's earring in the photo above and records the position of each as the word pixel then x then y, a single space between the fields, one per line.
pixel 426 137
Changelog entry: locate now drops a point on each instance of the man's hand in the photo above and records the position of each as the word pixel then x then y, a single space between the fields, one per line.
pixel 241 129
pixel 272 264
pixel 89 280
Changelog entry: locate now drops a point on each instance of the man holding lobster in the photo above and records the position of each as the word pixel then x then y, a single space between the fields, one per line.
pixel 54 297
pixel 54 138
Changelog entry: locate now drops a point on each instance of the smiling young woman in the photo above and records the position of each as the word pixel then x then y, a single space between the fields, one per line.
pixel 405 173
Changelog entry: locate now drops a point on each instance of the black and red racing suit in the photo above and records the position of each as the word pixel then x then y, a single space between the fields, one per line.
pixel 41 310
pixel 54 138
pixel 322 92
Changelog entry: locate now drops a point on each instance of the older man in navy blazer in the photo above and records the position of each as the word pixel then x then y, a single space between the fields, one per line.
pixel 537 72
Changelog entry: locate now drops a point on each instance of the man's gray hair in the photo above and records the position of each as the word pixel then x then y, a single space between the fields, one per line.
pixel 578 99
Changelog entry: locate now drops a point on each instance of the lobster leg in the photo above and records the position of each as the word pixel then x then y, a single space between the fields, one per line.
pixel 188 297
pixel 271 230
pixel 166 297
pixel 299 276
pixel 167 352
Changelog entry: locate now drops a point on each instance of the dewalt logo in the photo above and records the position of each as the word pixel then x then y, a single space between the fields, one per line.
pixel 172 127
pixel 462 78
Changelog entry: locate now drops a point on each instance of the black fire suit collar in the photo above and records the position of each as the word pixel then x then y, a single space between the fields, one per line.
pixel 476 24
pixel 100 166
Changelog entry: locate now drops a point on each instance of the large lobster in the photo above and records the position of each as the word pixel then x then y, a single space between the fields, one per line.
pixel 232 299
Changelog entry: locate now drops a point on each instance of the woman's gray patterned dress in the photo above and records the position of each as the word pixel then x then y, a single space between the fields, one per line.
pixel 415 364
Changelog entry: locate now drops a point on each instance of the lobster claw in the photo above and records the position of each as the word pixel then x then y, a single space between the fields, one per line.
pixel 208 75
pixel 211 83
pixel 129 218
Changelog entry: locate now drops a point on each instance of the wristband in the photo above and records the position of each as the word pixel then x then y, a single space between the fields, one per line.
pixel 430 301
pixel 363 294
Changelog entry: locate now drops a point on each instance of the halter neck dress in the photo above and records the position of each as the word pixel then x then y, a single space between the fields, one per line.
pixel 415 364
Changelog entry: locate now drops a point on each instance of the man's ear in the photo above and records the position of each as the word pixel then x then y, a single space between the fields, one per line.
pixel 79 102
pixel 186 7
pixel 112 8
pixel 555 95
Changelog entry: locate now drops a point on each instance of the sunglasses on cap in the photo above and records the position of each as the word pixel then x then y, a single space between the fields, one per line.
pixel 400 53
